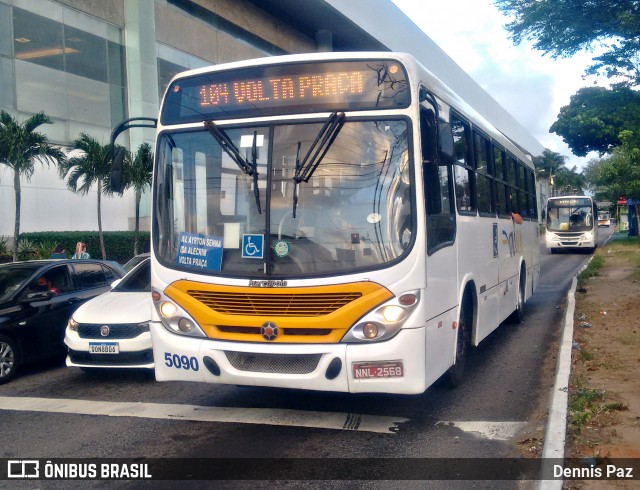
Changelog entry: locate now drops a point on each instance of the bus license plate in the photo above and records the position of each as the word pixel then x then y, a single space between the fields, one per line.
pixel 367 370
pixel 104 348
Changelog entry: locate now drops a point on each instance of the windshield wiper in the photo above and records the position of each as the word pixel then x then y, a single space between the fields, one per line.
pixel 254 165
pixel 230 149
pixel 295 182
pixel 319 147
pixel 317 151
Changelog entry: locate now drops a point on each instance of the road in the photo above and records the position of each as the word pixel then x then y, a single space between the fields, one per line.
pixel 60 412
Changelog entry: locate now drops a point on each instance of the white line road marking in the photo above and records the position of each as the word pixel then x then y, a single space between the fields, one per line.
pixel 497 431
pixel 265 416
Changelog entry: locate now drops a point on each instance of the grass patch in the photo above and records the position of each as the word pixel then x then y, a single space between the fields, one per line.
pixel 592 269
pixel 585 355
pixel 583 406
pixel 629 246
pixel 629 339
pixel 616 407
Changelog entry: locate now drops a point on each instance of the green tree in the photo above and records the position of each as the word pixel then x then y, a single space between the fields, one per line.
pixel 92 167
pixel 138 173
pixel 618 174
pixel 561 28
pixel 20 146
pixel 595 117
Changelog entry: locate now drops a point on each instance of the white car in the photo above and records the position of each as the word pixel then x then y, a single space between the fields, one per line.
pixel 112 330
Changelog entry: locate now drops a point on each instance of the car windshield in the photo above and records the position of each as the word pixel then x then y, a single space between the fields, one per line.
pixel 134 261
pixel 136 281
pixel 13 276
pixel 352 211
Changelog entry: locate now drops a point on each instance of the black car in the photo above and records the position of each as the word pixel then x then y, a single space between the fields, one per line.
pixel 37 299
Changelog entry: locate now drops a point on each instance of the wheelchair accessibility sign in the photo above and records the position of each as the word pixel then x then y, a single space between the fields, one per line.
pixel 252 246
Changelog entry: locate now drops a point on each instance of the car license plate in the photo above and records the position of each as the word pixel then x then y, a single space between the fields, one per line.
pixel 104 348
pixel 387 369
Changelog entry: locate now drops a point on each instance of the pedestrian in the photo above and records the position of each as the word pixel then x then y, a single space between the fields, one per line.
pixel 81 252
pixel 59 252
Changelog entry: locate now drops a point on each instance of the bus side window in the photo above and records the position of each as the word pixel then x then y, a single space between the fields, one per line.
pixel 484 182
pixel 437 187
pixel 511 169
pixel 522 189
pixel 464 171
pixel 502 189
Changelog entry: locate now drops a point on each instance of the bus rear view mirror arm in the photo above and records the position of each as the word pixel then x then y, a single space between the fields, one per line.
pixel 118 153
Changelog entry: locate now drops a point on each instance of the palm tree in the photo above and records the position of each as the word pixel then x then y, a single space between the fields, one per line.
pixel 20 146
pixel 569 181
pixel 547 166
pixel 92 167
pixel 138 172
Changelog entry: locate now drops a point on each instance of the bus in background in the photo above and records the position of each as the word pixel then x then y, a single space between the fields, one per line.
pixel 335 221
pixel 571 223
pixel 604 218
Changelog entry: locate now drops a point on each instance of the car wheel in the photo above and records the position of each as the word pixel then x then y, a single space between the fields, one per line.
pixel 8 359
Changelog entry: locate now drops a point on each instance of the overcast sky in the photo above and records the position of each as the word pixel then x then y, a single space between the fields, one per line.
pixel 532 87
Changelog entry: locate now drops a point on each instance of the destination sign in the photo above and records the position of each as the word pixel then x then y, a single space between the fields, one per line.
pixel 287 89
pixel 560 203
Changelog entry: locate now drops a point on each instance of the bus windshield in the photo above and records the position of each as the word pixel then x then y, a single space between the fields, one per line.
pixel 570 216
pixel 353 213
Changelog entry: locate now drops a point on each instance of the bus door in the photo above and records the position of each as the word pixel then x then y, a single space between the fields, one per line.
pixel 442 258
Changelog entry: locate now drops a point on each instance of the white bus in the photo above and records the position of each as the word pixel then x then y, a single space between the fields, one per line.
pixel 335 221
pixel 571 223
pixel 604 219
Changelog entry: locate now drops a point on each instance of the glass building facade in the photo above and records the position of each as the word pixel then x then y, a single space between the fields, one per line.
pixel 88 66
pixel 69 65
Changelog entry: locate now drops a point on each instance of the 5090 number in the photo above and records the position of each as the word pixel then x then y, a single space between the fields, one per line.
pixel 181 362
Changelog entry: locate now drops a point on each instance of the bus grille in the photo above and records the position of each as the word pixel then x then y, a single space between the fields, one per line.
pixel 273 363
pixel 569 235
pixel 274 304
pixel 285 331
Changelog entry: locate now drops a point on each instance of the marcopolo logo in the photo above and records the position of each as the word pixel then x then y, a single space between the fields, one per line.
pixel 267 284
pixel 23 468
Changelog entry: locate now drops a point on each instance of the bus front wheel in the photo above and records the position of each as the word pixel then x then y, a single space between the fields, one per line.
pixel 455 374
pixel 518 315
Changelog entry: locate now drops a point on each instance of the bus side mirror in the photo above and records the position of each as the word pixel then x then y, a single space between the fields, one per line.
pixel 445 144
pixel 117 170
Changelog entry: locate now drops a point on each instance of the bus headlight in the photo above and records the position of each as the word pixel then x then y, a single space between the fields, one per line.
pixel 168 309
pixel 385 321
pixel 588 236
pixel 174 318
pixel 393 313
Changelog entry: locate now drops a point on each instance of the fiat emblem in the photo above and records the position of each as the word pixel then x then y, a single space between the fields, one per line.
pixel 269 330
pixel 104 330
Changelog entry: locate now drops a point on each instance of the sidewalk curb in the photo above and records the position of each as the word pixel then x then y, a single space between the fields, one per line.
pixel 555 435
